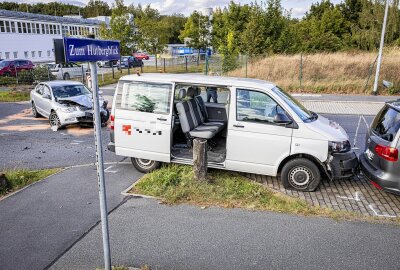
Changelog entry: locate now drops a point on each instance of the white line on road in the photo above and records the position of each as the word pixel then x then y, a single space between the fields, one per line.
pixel 108 169
pixel 379 215
pixel 356 197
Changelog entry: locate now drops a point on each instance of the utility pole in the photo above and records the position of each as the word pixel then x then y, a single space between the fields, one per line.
pixel 378 66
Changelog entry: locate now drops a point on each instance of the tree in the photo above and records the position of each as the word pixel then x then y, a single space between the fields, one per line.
pixel 153 32
pixel 175 24
pixel 96 8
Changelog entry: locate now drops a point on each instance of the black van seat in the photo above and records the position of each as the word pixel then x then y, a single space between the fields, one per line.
pixel 192 120
pixel 200 102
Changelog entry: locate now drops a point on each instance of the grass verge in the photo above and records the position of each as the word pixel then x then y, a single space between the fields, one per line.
pixel 20 178
pixel 175 184
pixel 12 96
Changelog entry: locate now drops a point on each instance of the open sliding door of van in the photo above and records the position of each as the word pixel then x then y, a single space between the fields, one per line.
pixel 142 120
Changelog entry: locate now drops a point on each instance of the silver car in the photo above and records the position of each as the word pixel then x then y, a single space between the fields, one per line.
pixel 65 102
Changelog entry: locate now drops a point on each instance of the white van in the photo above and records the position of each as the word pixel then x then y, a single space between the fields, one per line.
pixel 250 125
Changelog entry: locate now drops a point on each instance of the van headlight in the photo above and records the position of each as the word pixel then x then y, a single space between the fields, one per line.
pixel 68 109
pixel 339 147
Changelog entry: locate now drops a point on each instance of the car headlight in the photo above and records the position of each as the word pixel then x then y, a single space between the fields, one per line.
pixel 68 109
pixel 339 147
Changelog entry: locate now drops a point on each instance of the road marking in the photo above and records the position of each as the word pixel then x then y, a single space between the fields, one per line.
pixel 379 215
pixel 109 171
pixel 78 141
pixel 355 198
pixel 74 143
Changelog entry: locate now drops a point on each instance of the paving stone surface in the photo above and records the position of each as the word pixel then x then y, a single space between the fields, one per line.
pixel 343 107
pixel 352 195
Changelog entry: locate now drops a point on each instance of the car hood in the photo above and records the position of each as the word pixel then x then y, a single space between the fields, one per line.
pixel 83 100
pixel 331 130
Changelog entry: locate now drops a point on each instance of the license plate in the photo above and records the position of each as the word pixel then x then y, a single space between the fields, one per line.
pixel 369 154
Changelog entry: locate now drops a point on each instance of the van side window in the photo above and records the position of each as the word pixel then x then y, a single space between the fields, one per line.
pixel 144 97
pixel 254 106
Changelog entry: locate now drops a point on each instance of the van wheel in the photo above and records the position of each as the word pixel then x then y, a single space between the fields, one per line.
pixel 300 174
pixel 66 76
pixel 145 165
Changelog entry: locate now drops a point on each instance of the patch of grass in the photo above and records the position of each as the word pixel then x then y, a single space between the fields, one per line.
pixel 12 96
pixel 20 178
pixel 175 184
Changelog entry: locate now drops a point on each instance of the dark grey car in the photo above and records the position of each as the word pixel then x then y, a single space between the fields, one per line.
pixel 380 161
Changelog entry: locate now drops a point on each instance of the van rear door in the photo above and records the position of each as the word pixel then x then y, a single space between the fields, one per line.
pixel 142 120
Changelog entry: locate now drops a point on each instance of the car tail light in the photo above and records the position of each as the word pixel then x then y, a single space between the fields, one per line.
pixel 386 152
pixel 112 122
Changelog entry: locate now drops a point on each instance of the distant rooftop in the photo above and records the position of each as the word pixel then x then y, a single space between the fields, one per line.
pixel 47 18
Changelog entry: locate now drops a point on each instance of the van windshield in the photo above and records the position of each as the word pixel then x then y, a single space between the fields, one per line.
pixel 387 123
pixel 295 105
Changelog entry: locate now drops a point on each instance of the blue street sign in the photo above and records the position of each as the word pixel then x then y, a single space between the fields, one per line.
pixel 90 50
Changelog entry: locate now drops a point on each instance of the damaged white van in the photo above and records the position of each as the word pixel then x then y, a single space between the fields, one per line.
pixel 250 125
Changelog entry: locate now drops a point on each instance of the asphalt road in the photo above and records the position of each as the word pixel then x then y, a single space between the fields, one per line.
pixel 41 222
pixel 187 237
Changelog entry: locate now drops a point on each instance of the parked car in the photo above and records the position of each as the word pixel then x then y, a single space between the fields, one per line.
pixel 109 63
pixel 141 55
pixel 65 102
pixel 129 62
pixel 66 71
pixel 258 128
pixel 12 67
pixel 380 161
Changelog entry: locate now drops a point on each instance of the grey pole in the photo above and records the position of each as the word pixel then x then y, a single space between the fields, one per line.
pixel 378 66
pixel 100 166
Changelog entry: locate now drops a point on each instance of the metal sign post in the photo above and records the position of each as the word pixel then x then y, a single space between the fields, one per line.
pixel 100 166
pixel 91 50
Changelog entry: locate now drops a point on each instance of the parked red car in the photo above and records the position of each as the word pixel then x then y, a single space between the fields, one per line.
pixel 12 67
pixel 141 56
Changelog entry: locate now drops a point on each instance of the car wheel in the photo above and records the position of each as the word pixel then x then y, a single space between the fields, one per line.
pixel 34 111
pixel 300 174
pixel 66 76
pixel 145 165
pixel 54 120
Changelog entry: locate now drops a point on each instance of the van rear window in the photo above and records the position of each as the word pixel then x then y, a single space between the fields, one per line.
pixel 144 97
pixel 387 123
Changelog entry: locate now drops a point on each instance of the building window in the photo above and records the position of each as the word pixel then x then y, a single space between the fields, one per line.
pixel 15 55
pixel 26 54
pixel 19 26
pixel 1 54
pixel 47 29
pixel 38 28
pixel 12 27
pixel 33 53
pixel 48 53
pixel 8 26
pixel 33 28
pixel 24 28
pixel 2 26
pixel 29 27
pixel 7 55
pixel 40 54
pixel 42 29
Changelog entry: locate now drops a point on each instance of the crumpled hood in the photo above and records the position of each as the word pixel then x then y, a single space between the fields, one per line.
pixel 83 100
pixel 329 129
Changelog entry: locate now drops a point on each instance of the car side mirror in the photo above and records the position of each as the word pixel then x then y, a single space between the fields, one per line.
pixel 282 119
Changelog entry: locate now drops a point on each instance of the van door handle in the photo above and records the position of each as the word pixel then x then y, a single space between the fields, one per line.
pixel 161 119
pixel 239 126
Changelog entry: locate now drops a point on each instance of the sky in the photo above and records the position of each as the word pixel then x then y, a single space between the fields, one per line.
pixel 298 7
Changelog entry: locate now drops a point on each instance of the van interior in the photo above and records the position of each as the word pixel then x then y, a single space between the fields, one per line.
pixel 200 111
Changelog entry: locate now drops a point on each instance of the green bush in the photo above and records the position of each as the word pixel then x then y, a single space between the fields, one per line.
pixel 41 73
pixel 8 80
pixel 25 77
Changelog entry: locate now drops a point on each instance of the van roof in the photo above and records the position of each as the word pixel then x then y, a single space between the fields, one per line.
pixel 198 79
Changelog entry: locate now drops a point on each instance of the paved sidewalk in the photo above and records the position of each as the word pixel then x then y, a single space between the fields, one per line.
pixel 142 231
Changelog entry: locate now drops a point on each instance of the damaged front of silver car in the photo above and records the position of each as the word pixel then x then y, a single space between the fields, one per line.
pixel 79 109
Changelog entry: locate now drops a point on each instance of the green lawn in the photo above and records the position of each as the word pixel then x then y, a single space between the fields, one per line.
pixel 12 96
pixel 20 178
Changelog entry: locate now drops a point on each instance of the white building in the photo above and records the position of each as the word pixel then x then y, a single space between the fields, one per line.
pixel 30 36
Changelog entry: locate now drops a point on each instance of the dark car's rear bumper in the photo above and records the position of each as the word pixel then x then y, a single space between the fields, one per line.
pixel 385 180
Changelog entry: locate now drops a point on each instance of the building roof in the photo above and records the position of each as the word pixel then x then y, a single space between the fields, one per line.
pixel 199 79
pixel 47 18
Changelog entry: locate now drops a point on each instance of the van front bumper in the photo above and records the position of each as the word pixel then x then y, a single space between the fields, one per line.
pixel 387 181
pixel 343 165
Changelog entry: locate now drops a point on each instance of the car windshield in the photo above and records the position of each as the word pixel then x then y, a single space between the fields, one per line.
pixel 4 63
pixel 65 91
pixel 295 105
pixel 387 123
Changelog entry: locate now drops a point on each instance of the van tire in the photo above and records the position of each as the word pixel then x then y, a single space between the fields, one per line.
pixel 300 174
pixel 145 165
pixel 66 76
